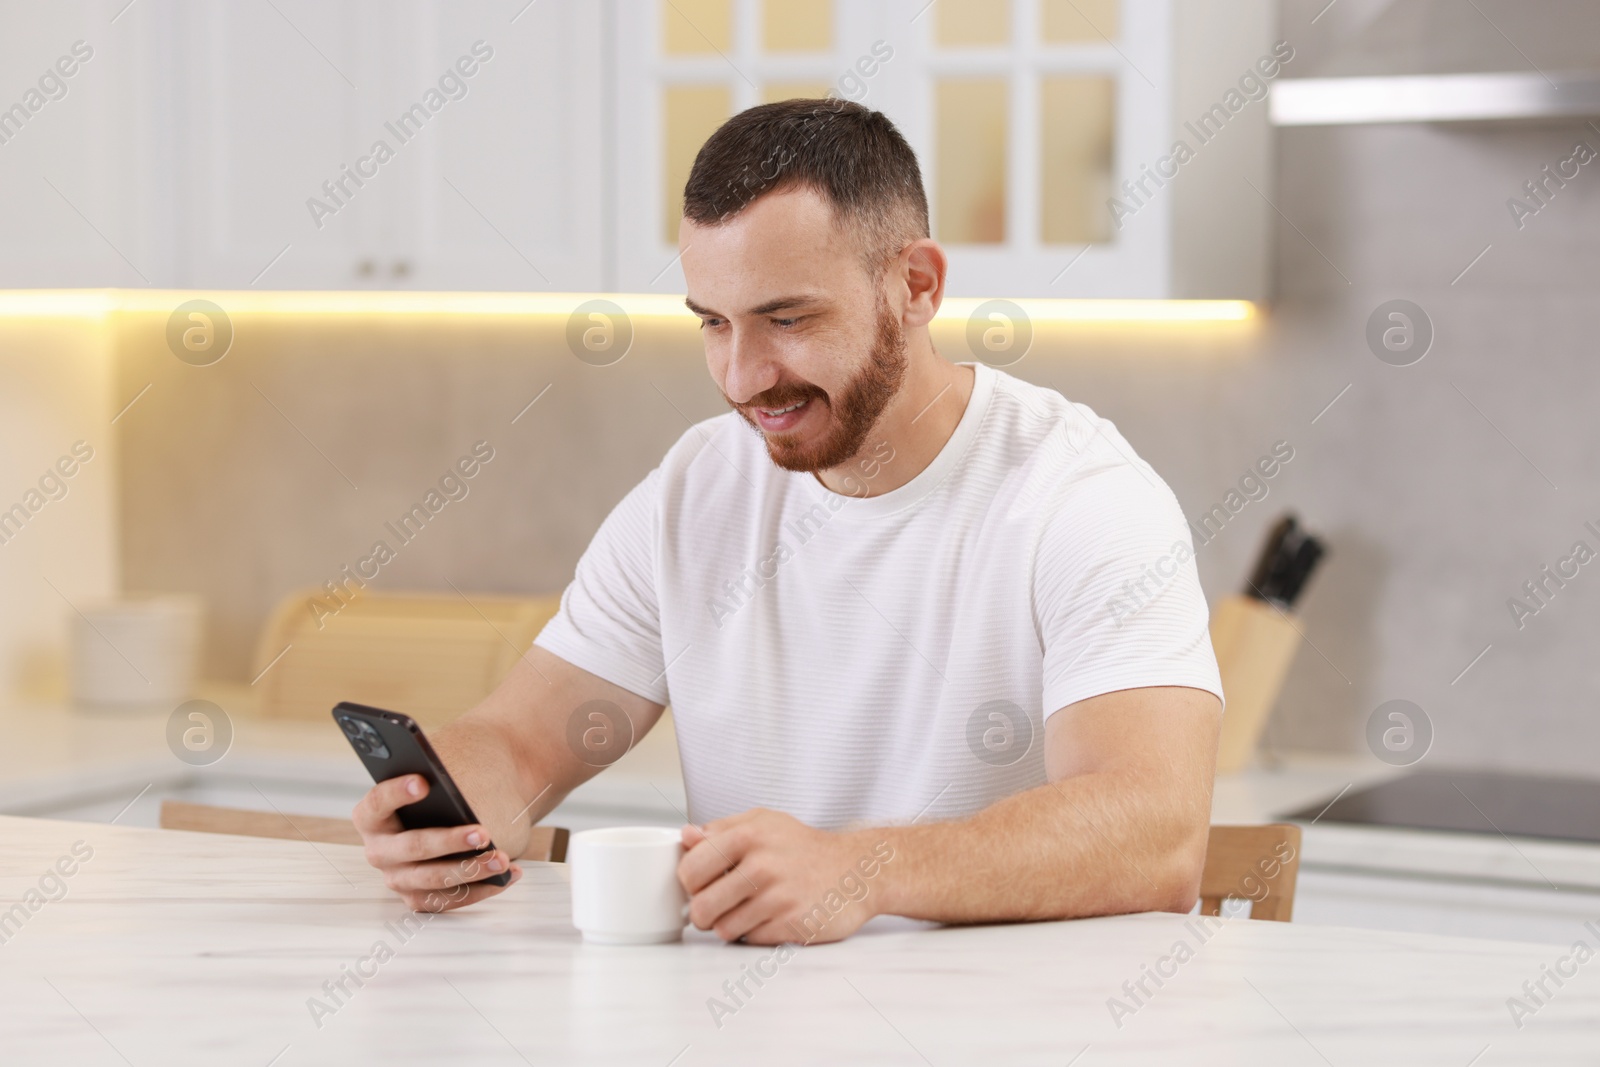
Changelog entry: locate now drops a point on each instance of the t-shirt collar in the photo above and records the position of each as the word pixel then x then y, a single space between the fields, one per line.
pixel 929 478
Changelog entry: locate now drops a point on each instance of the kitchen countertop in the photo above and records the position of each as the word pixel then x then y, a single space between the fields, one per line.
pixel 1264 792
pixel 178 948
pixel 56 751
pixel 59 755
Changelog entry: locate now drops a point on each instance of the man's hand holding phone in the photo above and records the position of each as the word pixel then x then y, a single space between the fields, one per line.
pixel 412 861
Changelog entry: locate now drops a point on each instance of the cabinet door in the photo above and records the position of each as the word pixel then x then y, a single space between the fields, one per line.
pixel 501 190
pixel 682 67
pixel 72 174
pixel 1023 115
pixel 274 106
pixel 401 144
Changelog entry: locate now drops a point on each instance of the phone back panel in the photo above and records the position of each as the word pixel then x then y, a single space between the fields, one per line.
pixel 405 750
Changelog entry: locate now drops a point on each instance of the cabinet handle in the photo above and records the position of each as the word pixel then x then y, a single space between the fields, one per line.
pixel 401 268
pixel 366 268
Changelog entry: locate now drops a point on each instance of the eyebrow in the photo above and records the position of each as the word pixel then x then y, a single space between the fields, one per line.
pixel 782 303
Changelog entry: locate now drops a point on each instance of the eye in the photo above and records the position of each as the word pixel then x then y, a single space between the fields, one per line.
pixel 784 323
pixel 713 323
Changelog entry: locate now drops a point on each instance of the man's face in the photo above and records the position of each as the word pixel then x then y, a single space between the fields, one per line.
pixel 799 336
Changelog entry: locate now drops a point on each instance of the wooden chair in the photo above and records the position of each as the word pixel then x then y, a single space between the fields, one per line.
pixel 1255 863
pixel 432 656
pixel 545 843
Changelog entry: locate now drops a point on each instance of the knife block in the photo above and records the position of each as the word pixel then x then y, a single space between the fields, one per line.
pixel 1255 643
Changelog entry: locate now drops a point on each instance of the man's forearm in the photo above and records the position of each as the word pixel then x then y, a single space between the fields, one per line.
pixel 1092 844
pixel 511 755
pixel 483 765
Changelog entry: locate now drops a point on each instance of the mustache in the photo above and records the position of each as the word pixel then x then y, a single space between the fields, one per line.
pixel 782 397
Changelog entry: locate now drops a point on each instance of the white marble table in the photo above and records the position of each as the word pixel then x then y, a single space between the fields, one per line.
pixel 171 948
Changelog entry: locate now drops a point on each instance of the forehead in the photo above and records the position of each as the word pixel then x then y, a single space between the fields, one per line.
pixel 784 242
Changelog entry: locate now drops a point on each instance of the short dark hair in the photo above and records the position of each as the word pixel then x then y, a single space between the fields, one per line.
pixel 851 155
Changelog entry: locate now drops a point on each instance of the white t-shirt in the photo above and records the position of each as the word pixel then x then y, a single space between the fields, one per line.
pixel 854 660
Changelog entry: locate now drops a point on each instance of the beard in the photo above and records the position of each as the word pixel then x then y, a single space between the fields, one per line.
pixel 856 411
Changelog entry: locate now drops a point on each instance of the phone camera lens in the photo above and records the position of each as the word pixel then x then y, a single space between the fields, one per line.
pixel 351 727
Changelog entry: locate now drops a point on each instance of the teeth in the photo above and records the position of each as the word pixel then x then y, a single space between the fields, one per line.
pixel 783 411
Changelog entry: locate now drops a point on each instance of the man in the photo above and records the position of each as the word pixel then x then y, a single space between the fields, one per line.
pixel 886 598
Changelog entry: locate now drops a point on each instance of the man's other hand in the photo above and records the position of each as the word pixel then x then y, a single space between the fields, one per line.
pixel 767 878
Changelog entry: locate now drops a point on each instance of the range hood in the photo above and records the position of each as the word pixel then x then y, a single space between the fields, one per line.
pixel 1455 61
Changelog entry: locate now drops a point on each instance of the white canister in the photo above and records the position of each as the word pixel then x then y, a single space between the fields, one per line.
pixel 136 651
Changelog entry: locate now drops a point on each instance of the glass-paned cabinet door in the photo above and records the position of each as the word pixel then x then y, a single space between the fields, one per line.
pixel 682 67
pixel 1027 113
pixel 1023 114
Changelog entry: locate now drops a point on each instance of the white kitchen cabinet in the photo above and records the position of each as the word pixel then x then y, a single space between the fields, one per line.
pixel 1027 116
pixel 267 145
pixel 70 166
pixel 272 99
pixel 503 188
pixel 390 145
pixel 223 146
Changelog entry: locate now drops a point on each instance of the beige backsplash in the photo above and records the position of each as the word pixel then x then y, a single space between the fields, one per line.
pixel 284 462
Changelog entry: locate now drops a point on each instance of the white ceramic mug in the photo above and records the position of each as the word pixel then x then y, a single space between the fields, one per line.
pixel 625 888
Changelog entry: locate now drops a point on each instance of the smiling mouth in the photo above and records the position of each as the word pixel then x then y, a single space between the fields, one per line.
pixel 782 420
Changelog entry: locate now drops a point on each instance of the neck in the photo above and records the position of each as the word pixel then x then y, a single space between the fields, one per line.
pixel 911 430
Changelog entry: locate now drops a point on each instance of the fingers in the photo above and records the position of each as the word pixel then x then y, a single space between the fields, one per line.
pixel 376 812
pixel 411 859
pixel 746 917
pixel 437 900
pixel 390 849
pixel 775 932
pixel 444 874
pixel 714 854
pixel 730 822
pixel 716 900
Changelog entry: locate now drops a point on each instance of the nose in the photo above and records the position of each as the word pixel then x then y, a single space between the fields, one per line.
pixel 750 369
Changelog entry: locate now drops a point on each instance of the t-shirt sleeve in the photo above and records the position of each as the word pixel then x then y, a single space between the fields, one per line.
pixel 609 623
pixel 1116 592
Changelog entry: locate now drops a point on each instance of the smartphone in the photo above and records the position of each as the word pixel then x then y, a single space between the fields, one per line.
pixel 391 744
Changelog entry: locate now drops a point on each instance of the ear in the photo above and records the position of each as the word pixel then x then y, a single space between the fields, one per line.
pixel 922 267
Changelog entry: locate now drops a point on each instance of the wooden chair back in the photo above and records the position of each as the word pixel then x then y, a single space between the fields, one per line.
pixel 431 656
pixel 1255 863
pixel 545 843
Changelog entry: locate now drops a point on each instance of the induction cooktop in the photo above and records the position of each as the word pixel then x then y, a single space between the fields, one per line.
pixel 1479 802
